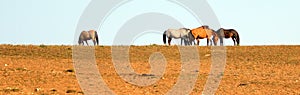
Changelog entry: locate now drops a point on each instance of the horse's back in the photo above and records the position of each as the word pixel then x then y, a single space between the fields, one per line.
pixel 92 31
pixel 92 34
pixel 199 32
pixel 84 35
pixel 229 30
pixel 177 33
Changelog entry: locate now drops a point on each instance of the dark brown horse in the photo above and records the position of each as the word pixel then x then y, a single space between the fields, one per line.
pixel 204 32
pixel 229 33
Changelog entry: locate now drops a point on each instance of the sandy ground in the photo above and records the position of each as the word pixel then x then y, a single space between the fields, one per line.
pixel 47 70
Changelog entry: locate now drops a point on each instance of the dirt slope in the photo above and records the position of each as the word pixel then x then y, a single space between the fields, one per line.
pixel 249 70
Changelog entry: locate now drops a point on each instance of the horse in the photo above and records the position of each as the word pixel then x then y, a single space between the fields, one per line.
pixel 203 32
pixel 88 35
pixel 215 38
pixel 183 33
pixel 229 33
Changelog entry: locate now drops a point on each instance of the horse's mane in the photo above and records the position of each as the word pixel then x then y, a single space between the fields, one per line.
pixel 186 29
pixel 227 29
pixel 204 27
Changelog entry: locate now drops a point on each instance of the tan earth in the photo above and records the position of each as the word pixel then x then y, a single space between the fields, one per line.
pixel 250 70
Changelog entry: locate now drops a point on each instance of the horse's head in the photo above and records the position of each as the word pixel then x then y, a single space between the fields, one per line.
pixel 79 41
pixel 188 30
pixel 220 29
pixel 215 39
pixel 190 35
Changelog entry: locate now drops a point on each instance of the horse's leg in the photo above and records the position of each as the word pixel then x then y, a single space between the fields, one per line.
pixel 186 42
pixel 82 43
pixel 207 40
pixel 169 41
pixel 221 41
pixel 211 41
pixel 181 41
pixel 198 41
pixel 94 41
pixel 87 43
pixel 233 40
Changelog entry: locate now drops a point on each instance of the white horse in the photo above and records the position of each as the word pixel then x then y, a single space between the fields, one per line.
pixel 88 35
pixel 182 33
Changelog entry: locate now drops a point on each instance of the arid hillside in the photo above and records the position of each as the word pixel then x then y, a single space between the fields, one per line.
pixel 47 70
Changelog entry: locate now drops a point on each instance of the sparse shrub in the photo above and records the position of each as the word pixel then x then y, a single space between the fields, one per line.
pixel 43 46
pixel 9 89
pixel 153 45
pixel 81 92
pixel 69 70
pixel 53 90
pixel 70 91
pixel 21 69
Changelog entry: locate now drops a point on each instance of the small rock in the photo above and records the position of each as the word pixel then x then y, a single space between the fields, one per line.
pixel 69 70
pixel 53 90
pixel 80 92
pixel 70 91
pixel 37 89
pixel 5 65
pixel 148 75
pixel 243 84
pixel 207 55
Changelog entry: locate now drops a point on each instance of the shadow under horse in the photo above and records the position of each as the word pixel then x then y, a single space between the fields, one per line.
pixel 229 33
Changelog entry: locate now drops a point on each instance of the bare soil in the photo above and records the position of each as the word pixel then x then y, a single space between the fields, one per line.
pixel 47 70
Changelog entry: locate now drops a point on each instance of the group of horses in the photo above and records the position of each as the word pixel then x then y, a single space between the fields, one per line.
pixel 190 35
pixel 187 35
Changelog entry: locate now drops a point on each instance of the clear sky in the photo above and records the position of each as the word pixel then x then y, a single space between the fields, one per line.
pixel 259 22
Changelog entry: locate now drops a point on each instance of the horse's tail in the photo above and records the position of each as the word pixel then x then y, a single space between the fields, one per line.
pixel 165 37
pixel 237 37
pixel 80 39
pixel 96 36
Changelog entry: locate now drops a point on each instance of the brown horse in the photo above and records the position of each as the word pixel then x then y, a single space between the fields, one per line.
pixel 229 33
pixel 88 35
pixel 204 32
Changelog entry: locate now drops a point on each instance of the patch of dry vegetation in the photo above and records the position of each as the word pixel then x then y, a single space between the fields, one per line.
pixel 28 69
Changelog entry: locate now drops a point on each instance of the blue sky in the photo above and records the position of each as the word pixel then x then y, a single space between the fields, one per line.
pixel 259 22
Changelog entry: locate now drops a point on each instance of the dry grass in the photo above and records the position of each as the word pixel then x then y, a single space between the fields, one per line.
pixel 49 70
